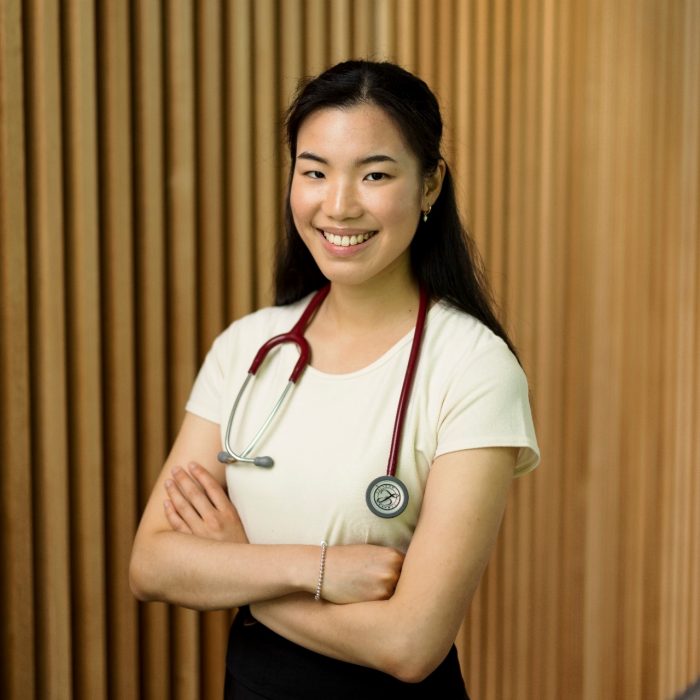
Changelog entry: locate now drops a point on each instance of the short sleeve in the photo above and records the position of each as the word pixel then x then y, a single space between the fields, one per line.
pixel 205 397
pixel 487 405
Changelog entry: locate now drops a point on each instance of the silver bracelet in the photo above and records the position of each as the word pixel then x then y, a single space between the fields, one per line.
pixel 321 570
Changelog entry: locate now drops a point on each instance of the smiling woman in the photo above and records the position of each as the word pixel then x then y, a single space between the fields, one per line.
pixel 337 580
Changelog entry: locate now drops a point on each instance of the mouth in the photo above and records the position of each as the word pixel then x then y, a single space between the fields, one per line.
pixel 347 240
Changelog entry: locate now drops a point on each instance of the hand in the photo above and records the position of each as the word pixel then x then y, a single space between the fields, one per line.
pixel 360 572
pixel 198 505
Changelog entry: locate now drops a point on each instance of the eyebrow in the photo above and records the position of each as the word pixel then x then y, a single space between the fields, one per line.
pixel 375 158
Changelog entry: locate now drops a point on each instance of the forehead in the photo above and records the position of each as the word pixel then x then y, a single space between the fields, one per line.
pixel 352 132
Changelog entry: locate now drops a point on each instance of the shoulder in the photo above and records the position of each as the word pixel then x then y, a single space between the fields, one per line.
pixel 459 340
pixel 473 367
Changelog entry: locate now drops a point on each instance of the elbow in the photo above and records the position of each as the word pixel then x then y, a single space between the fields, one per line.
pixel 137 588
pixel 412 670
pixel 140 581
pixel 136 583
pixel 412 661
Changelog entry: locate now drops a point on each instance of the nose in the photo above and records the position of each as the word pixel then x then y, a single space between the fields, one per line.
pixel 341 200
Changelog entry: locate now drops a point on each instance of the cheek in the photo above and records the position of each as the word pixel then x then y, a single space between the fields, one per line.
pixel 300 202
pixel 401 209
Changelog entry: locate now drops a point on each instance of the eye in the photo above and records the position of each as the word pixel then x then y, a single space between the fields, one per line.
pixel 314 174
pixel 376 177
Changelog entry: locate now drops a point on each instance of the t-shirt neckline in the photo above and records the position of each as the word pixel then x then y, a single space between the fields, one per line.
pixel 384 358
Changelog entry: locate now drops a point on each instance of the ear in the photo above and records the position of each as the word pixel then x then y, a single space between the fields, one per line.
pixel 432 184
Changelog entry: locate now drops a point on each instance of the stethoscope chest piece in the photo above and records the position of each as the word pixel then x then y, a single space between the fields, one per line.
pixel 387 496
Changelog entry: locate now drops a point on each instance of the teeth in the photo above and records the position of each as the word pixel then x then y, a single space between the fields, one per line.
pixel 346 241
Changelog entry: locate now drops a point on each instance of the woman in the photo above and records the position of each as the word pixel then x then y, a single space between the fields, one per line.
pixel 370 208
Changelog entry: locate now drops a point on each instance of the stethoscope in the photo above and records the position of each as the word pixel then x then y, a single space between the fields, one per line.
pixel 387 495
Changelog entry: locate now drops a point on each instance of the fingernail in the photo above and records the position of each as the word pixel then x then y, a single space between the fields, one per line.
pixel 176 470
pixel 168 483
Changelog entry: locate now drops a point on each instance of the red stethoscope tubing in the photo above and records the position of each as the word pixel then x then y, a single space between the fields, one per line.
pixel 296 336
pixel 407 383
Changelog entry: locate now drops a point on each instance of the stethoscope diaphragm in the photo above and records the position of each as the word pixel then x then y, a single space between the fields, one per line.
pixel 387 496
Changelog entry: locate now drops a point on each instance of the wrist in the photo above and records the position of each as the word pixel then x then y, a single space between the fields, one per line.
pixel 304 571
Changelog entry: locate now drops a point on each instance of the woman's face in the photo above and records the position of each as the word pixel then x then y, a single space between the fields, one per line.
pixel 356 195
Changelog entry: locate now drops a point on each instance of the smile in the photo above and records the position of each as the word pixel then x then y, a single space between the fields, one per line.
pixel 346 241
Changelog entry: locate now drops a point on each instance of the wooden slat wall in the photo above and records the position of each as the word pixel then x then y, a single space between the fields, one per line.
pixel 141 178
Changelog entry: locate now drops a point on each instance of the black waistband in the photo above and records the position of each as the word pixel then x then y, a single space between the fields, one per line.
pixel 278 669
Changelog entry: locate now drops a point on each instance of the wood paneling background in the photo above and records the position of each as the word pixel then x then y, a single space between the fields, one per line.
pixel 141 177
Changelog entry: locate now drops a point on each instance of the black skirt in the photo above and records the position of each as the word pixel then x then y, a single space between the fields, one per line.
pixel 261 664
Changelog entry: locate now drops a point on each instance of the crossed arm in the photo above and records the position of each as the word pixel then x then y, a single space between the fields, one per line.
pixel 399 617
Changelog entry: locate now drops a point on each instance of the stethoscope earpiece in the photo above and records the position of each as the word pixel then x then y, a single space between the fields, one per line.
pixel 266 462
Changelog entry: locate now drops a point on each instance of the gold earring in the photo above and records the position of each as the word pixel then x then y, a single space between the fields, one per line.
pixel 426 212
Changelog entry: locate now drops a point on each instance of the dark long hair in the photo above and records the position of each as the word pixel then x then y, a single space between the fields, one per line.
pixel 444 258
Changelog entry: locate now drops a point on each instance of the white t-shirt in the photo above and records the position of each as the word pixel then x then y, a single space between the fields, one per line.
pixel 332 435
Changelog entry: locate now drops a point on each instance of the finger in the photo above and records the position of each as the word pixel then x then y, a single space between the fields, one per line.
pixel 182 505
pixel 174 520
pixel 214 490
pixel 193 492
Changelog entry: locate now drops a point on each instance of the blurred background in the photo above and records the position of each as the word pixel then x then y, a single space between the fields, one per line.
pixel 141 180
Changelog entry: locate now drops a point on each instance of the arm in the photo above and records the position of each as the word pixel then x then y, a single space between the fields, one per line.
pixel 409 634
pixel 179 564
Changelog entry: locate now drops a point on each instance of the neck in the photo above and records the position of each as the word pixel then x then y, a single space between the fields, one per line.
pixel 360 308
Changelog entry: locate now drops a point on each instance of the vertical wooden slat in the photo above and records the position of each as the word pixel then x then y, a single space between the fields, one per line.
pixel 653 566
pixel 598 636
pixel 548 356
pixel 688 321
pixel 182 282
pixel 84 354
pixel 691 71
pixel 497 211
pixel 384 21
pixel 406 34
pixel 462 167
pixel 362 29
pixel 210 163
pixel 340 31
pixel 635 112
pixel 291 67
pixel 17 639
pixel 426 49
pixel 151 282
pixel 673 148
pixel 569 408
pixel 239 110
pixel 266 147
pixel 118 322
pixel 48 354
pixel 316 35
